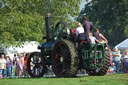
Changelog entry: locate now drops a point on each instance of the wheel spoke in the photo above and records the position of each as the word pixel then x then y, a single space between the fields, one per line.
pixel 38 72
pixel 34 71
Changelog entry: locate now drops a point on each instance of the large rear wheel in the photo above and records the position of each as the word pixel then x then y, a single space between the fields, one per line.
pixel 65 59
pixel 35 65
pixel 105 65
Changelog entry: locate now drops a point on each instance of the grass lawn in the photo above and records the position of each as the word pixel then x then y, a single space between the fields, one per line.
pixel 111 79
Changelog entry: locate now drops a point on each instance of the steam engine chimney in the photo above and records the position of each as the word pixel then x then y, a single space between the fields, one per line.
pixel 49 31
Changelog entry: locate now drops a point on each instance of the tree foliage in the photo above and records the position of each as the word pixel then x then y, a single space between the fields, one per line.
pixel 110 16
pixel 23 20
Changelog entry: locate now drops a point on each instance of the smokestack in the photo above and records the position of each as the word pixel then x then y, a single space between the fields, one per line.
pixel 49 32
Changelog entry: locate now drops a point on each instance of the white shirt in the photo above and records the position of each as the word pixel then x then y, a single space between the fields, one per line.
pixel 2 63
pixel 79 30
pixel 92 39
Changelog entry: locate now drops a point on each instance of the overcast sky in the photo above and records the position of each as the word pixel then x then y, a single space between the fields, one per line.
pixel 83 3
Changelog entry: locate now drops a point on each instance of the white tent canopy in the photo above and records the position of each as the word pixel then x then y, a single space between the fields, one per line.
pixel 27 47
pixel 123 45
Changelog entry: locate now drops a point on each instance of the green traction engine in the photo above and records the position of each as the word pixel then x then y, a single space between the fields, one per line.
pixel 66 59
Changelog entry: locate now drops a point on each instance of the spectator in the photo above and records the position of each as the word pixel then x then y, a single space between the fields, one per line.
pixel 3 65
pixel 20 65
pixel 25 60
pixel 125 61
pixel 1 73
pixel 116 59
pixel 9 66
pixel 100 37
pixel 112 68
pixel 14 65
pixel 14 59
pixel 25 64
pixel 111 56
pixel 17 65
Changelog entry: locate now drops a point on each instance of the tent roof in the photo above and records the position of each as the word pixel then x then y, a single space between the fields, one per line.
pixel 123 44
pixel 27 47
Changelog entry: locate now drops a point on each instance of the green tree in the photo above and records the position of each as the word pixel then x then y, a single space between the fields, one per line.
pixel 111 16
pixel 23 20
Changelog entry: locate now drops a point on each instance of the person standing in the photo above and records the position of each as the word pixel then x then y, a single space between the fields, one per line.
pixel 9 66
pixel 125 61
pixel 3 65
pixel 87 26
pixel 111 57
pixel 25 64
pixel 14 66
pixel 116 59
pixel 20 65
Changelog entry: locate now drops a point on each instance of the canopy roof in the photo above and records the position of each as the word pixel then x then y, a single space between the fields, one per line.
pixel 27 47
pixel 123 45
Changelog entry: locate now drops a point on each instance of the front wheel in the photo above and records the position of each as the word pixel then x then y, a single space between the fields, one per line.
pixel 35 65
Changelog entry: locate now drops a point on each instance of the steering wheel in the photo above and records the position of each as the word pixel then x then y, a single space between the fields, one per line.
pixel 61 30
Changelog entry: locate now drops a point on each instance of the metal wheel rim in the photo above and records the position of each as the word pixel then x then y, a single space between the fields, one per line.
pixel 61 60
pixel 35 68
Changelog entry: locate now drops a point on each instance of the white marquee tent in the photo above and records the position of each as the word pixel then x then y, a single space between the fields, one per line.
pixel 27 47
pixel 123 45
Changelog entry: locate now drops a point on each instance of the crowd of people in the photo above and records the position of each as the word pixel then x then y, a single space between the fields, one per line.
pixel 13 67
pixel 118 61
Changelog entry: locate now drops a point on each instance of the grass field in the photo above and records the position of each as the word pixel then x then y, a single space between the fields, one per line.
pixel 111 79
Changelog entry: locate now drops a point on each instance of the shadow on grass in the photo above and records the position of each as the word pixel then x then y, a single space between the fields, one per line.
pixel 51 77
